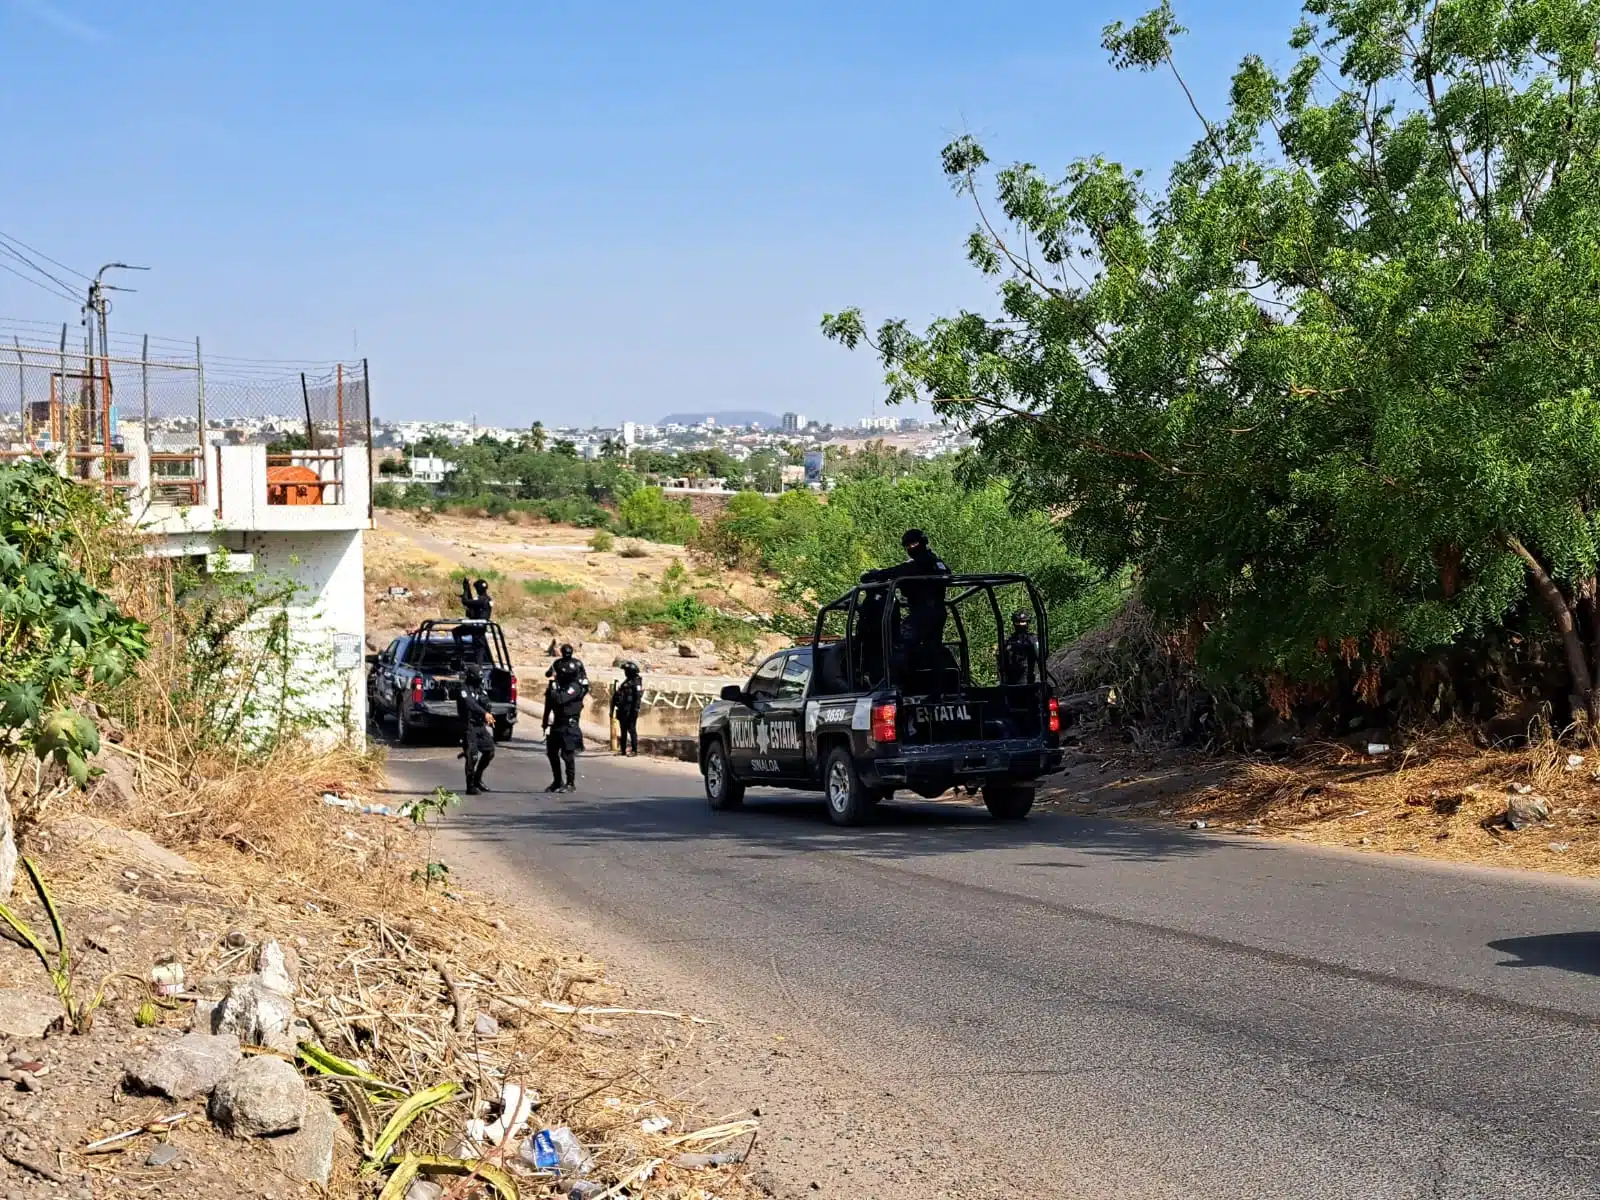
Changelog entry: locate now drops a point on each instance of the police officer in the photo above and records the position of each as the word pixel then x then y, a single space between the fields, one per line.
pixel 477 728
pixel 563 706
pixel 472 640
pixel 625 701
pixel 1022 651
pixel 479 607
pixel 567 668
pixel 922 621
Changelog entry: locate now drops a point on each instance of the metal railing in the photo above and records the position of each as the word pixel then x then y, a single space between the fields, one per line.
pixel 177 477
pixel 306 477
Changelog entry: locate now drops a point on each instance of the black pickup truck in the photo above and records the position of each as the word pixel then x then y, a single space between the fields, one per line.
pixel 417 678
pixel 858 717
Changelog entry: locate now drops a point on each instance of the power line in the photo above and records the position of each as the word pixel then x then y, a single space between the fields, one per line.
pixel 23 258
pixel 53 262
pixel 41 286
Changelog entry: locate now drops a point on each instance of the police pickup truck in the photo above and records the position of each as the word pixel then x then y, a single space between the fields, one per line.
pixel 417 678
pixel 858 715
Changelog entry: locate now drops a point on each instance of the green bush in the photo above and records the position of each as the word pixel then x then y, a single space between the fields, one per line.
pixel 385 495
pixel 688 615
pixel 546 587
pixel 647 513
pixel 601 542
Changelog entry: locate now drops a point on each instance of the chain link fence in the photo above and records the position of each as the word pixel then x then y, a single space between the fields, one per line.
pixel 60 400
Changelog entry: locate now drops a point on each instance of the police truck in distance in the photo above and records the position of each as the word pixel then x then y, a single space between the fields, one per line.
pixel 859 715
pixel 417 678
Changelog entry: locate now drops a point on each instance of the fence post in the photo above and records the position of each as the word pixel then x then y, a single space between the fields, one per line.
pixel 200 415
pixel 366 402
pixel 64 402
pixel 338 374
pixel 144 386
pixel 22 394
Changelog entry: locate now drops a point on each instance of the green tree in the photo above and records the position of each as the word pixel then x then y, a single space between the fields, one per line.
pixel 647 513
pixel 1329 389
pixel 566 448
pixel 536 437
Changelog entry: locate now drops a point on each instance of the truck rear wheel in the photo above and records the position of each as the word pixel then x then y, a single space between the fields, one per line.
pixel 849 800
pixel 1008 801
pixel 722 789
pixel 404 732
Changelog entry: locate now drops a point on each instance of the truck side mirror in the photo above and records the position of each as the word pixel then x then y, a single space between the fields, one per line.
pixel 733 693
pixel 372 660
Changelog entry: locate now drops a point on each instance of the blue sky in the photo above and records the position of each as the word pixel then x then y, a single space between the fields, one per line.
pixel 557 211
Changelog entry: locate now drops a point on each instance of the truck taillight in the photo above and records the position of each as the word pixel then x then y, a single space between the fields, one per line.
pixel 883 722
pixel 513 689
pixel 416 689
pixel 1055 716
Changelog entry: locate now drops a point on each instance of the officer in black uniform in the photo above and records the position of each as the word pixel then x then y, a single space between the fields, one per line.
pixel 625 701
pixel 477 728
pixel 567 668
pixel 921 624
pixel 563 706
pixel 1022 651
pixel 472 640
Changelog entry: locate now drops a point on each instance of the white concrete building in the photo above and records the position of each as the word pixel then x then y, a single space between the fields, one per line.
pixel 298 521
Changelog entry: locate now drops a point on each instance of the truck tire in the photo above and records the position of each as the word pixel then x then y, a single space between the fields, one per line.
pixel 1008 801
pixel 723 791
pixel 404 732
pixel 849 800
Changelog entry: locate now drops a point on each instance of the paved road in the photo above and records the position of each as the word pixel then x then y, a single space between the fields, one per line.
pixel 1116 1010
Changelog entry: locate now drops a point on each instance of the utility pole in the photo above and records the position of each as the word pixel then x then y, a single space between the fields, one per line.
pixel 95 314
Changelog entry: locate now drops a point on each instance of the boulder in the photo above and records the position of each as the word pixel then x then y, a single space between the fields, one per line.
pixel 602 631
pixel 275 968
pixel 189 1067
pixel 25 1013
pixel 307 1155
pixel 128 845
pixel 262 1096
pixel 685 650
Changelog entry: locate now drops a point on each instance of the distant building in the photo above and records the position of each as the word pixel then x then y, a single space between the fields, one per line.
pixel 630 433
pixel 794 422
pixel 431 469
pixel 883 424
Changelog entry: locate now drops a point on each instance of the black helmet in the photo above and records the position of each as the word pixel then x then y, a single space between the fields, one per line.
pixel 1020 618
pixel 630 668
pixel 472 674
pixel 566 650
pixel 912 538
pixel 482 585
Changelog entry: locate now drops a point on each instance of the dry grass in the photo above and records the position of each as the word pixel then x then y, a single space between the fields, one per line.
pixel 1441 797
pixel 391 972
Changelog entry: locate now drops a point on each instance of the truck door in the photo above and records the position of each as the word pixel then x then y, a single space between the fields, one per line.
pixel 749 747
pixel 784 718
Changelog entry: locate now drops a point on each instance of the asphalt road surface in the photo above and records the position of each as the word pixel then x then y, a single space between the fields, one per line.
pixel 1081 1008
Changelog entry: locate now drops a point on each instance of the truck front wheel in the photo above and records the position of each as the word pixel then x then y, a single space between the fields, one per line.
pixel 1008 801
pixel 722 789
pixel 849 800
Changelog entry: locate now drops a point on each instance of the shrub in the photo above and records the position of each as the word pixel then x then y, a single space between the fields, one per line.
pixel 386 495
pixel 546 587
pixel 633 552
pixel 647 513
pixel 601 542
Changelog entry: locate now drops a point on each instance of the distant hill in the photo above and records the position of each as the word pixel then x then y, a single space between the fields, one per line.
pixel 737 416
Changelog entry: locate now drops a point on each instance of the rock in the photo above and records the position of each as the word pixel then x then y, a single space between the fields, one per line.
pixel 308 1154
pixel 685 650
pixel 1525 810
pixel 274 970
pixel 1197 824
pixel 127 844
pixel 25 1013
pixel 262 1096
pixel 163 1155
pixel 602 631
pixel 236 940
pixel 485 1026
pixel 116 786
pixel 424 1189
pixel 189 1067
pixel 256 1015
